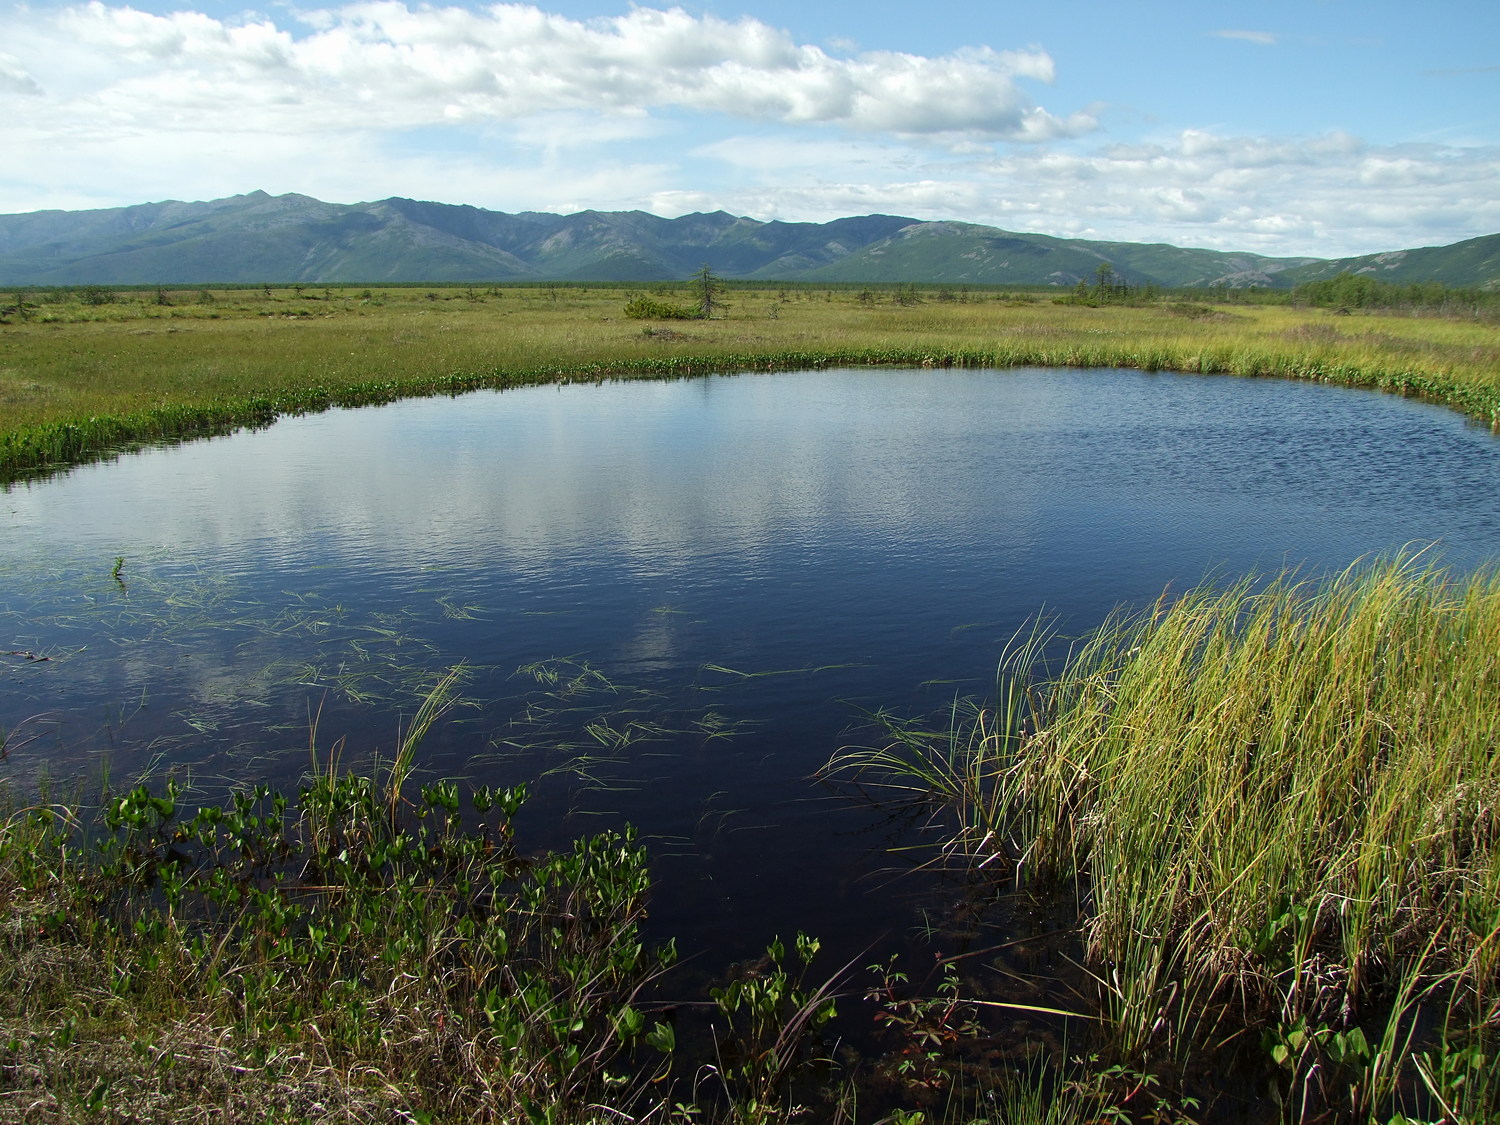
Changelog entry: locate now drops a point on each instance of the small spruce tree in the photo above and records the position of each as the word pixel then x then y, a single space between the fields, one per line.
pixel 706 289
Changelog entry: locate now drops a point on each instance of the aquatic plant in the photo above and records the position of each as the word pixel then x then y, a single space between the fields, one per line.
pixel 767 1021
pixel 360 951
pixel 1278 807
pixel 379 947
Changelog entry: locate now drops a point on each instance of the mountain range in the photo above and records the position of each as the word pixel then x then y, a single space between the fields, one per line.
pixel 256 238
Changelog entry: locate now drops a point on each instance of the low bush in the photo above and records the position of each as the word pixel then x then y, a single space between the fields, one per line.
pixel 651 308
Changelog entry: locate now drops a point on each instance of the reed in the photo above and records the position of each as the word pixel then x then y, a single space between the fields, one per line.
pixel 1279 806
pixel 79 382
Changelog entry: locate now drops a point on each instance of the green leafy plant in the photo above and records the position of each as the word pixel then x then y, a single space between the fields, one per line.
pixel 405 933
pixel 927 1027
pixel 770 1015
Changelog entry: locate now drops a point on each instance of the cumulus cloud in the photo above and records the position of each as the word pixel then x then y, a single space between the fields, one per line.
pixel 515 108
pixel 405 67
pixel 1330 194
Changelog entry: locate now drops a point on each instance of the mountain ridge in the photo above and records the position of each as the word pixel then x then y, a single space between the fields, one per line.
pixel 257 237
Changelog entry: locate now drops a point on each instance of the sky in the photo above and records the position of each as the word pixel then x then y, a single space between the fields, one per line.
pixel 1323 128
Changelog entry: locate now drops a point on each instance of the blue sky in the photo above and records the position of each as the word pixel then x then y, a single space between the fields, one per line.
pixel 1321 127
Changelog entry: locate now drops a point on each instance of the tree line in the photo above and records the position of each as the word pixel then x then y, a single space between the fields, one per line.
pixel 1349 291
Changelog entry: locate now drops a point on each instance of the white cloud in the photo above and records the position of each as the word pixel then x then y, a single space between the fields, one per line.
pixel 336 167
pixel 515 108
pixel 565 130
pixel 1330 194
pixel 404 67
pixel 1260 38
pixel 1327 196
pixel 14 79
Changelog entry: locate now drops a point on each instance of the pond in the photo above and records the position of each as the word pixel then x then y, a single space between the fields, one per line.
pixel 674 601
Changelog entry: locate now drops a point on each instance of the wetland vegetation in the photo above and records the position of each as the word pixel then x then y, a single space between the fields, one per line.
pixel 84 373
pixel 1277 808
pixel 1263 818
pixel 1260 821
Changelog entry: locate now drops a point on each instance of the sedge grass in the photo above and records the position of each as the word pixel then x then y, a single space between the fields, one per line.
pixel 78 381
pixel 1279 805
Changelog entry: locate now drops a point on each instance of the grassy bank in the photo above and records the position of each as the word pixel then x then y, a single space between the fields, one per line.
pixel 1278 806
pixel 78 380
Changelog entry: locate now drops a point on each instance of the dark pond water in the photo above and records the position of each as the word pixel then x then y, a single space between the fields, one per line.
pixel 722 574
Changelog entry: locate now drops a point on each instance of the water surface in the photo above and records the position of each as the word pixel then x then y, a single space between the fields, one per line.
pixel 732 570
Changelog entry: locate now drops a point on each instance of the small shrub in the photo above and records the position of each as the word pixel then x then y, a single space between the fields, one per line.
pixel 649 308
pixel 1192 310
pixel 96 295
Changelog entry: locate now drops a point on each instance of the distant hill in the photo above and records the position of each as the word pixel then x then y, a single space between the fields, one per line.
pixel 258 238
pixel 1473 262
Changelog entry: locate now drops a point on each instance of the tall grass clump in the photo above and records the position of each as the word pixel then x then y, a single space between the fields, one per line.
pixel 1278 805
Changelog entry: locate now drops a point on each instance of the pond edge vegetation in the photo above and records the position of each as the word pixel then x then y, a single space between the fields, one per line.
pixel 1276 806
pixel 1273 805
pixel 379 948
pixel 55 446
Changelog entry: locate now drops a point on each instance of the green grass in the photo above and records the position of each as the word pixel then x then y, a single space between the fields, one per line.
pixel 1278 804
pixel 78 381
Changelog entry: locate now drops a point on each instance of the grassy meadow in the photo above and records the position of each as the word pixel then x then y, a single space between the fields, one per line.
pixel 79 377
pixel 1271 810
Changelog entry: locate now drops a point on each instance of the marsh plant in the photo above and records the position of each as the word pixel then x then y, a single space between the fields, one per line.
pixel 768 1019
pixel 1277 807
pixel 372 950
pixel 380 947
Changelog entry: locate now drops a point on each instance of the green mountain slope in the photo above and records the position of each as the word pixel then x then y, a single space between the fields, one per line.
pixel 258 238
pixel 965 253
pixel 1474 262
